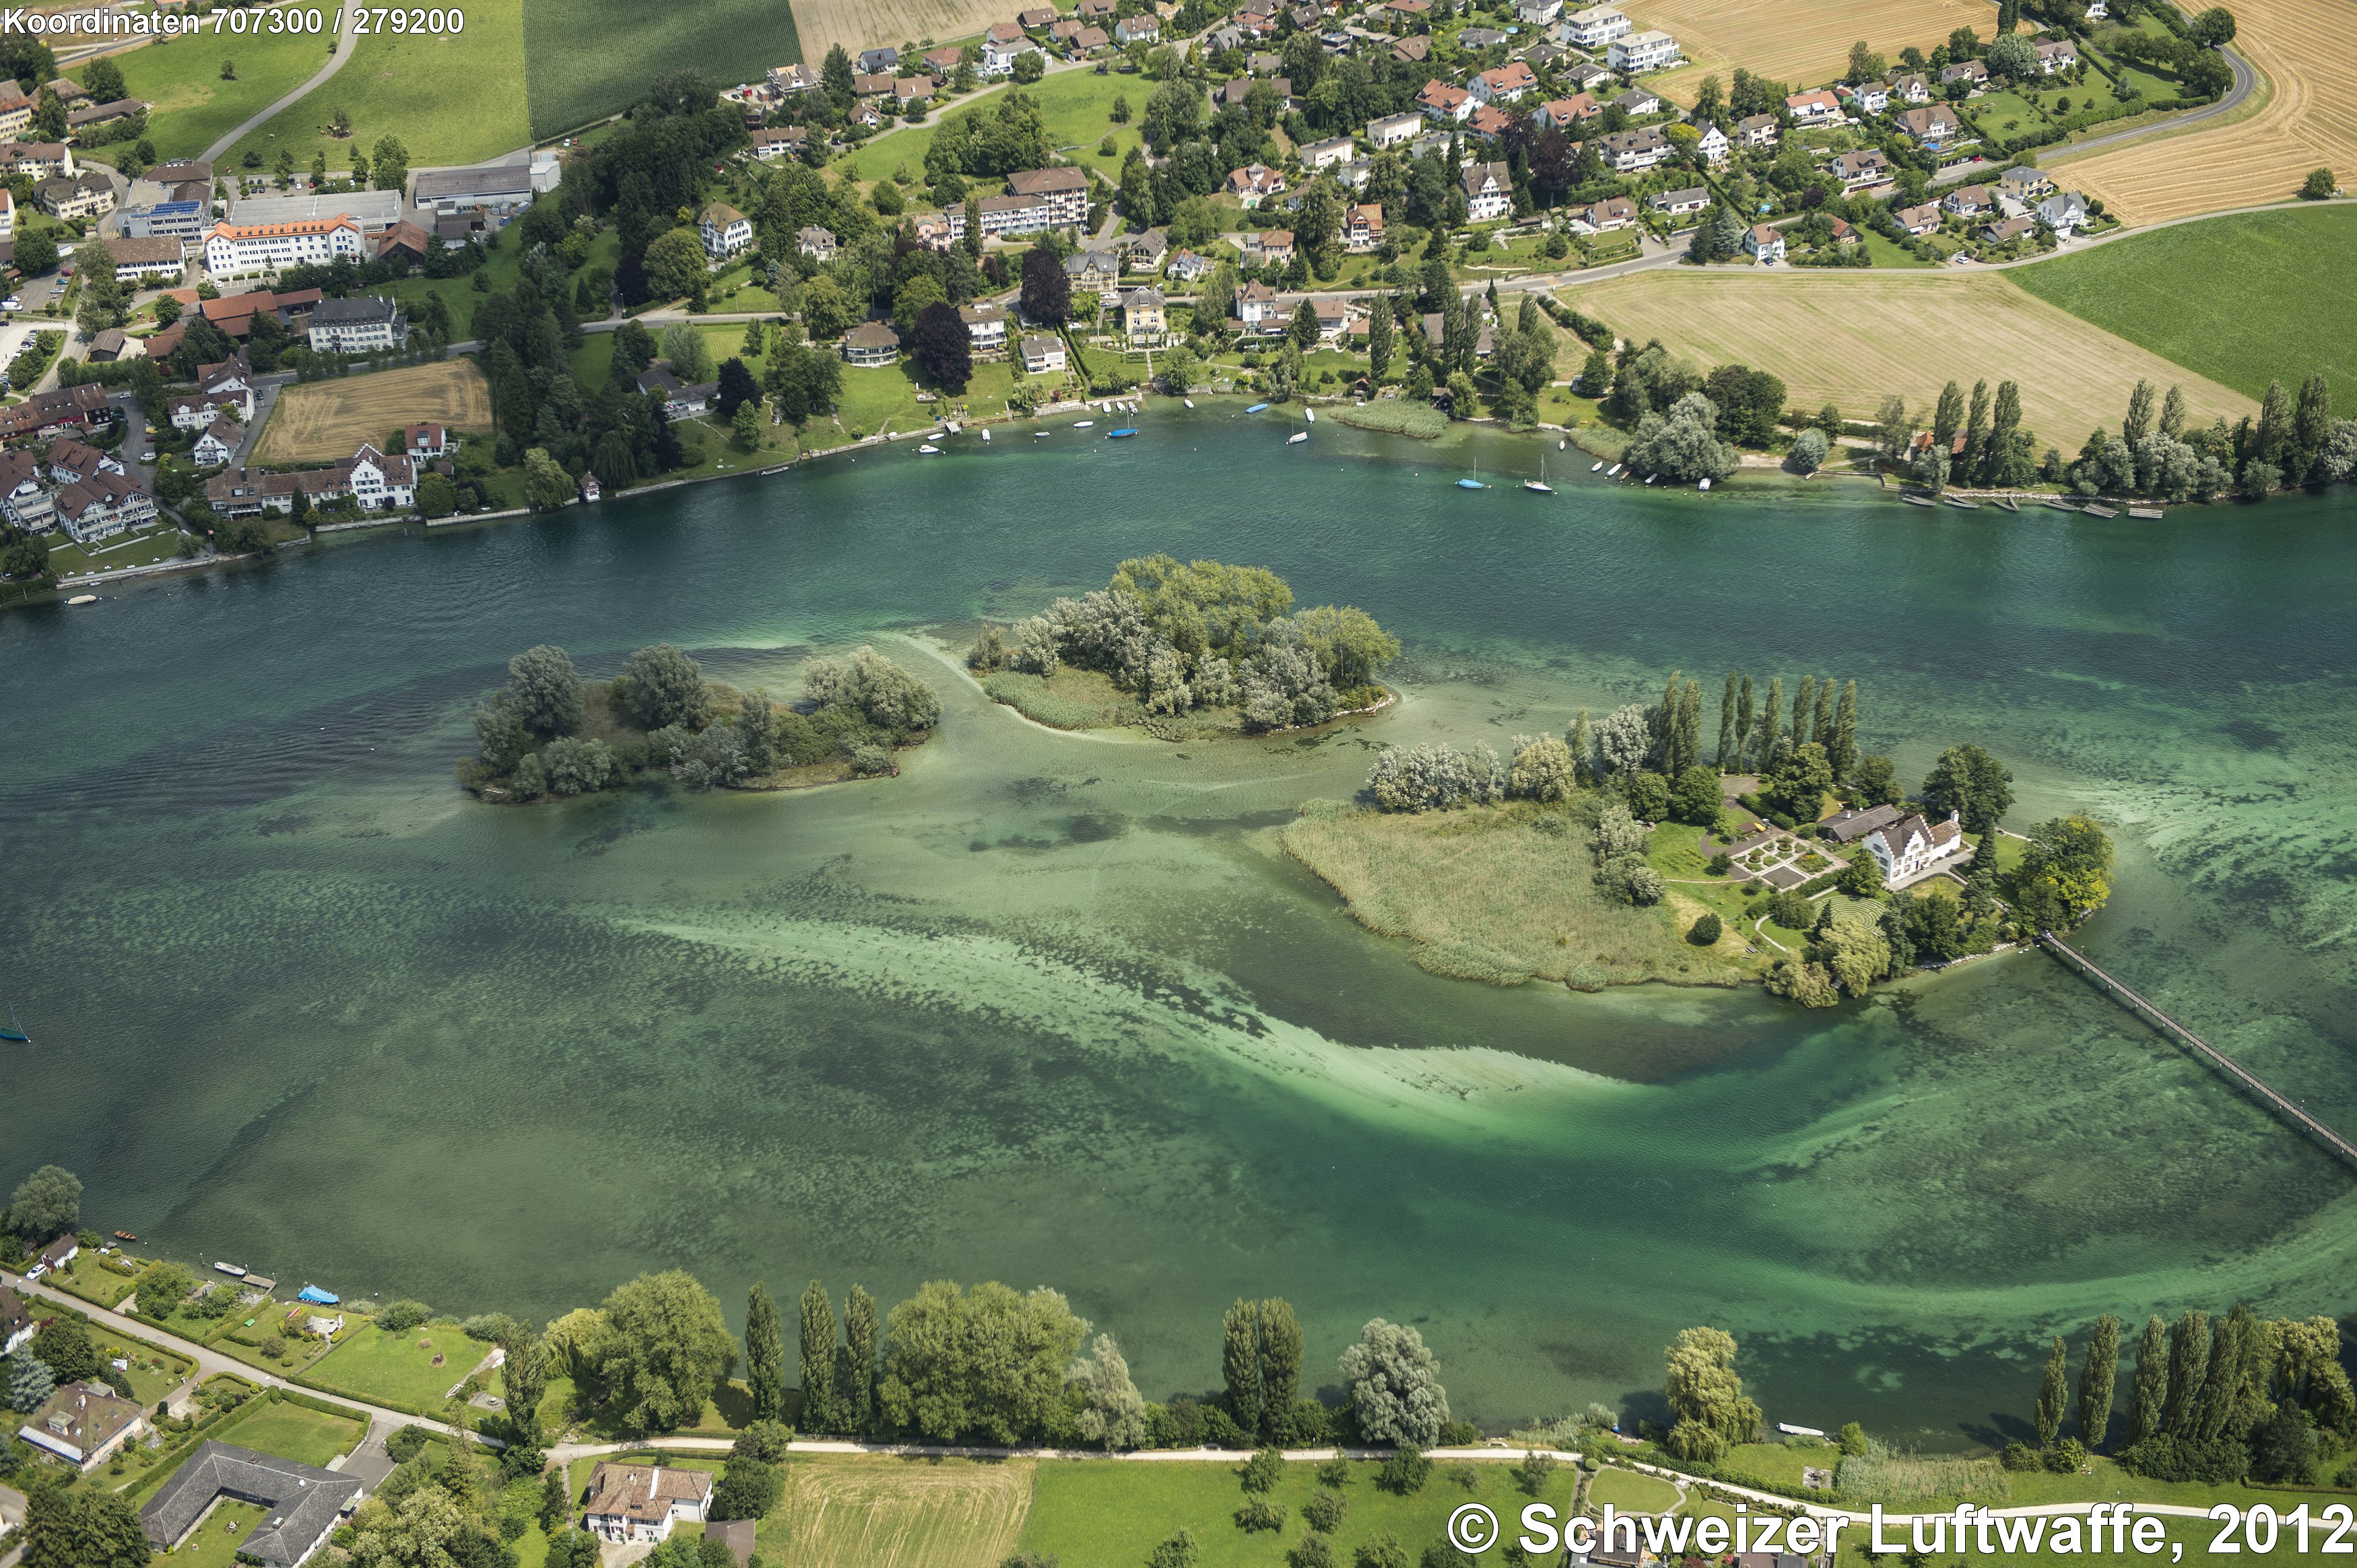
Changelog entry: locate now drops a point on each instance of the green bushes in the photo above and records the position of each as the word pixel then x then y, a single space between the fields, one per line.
pixel 400 1317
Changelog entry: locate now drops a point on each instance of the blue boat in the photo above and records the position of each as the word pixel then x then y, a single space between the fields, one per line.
pixel 316 1296
pixel 1471 485
pixel 1257 408
pixel 15 1032
pixel 1117 435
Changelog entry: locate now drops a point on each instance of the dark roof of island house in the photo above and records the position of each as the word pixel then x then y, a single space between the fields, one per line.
pixel 1853 825
pixel 303 1499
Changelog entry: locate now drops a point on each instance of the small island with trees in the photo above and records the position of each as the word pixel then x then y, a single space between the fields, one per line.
pixel 1616 853
pixel 548 733
pixel 1201 649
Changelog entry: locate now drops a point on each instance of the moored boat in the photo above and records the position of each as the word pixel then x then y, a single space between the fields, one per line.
pixel 1705 485
pixel 83 599
pixel 1598 467
pixel 1117 435
pixel 1296 439
pixel 1082 423
pixel 1471 485
pixel 1257 408
pixel 929 450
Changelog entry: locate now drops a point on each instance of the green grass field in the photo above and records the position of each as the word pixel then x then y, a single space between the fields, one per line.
pixel 1631 1492
pixel 2243 300
pixel 1104 1511
pixel 215 1542
pixel 292 1431
pixel 398 1368
pixel 1076 105
pixel 453 99
pixel 193 107
pixel 587 58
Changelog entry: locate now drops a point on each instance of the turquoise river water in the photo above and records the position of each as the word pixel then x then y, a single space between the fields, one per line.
pixel 1054 1009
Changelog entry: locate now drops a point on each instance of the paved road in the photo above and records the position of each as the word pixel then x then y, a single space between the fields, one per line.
pixel 2246 78
pixel 343 53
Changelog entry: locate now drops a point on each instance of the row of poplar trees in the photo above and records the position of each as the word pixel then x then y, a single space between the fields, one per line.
pixel 838 1369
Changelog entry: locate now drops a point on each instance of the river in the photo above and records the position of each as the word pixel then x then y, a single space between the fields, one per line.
pixel 1053 1009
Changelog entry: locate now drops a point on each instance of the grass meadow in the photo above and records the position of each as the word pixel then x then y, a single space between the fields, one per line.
pixel 398 1369
pixel 293 1431
pixel 2242 300
pixel 452 100
pixel 899 1513
pixel 193 107
pixel 587 58
pixel 1076 105
pixel 1631 1492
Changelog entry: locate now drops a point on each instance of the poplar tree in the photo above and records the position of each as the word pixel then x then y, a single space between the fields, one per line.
pixel 2138 422
pixel 2003 422
pixel 1976 426
pixel 1581 769
pixel 1280 1362
pixel 1821 721
pixel 1842 750
pixel 1803 706
pixel 2053 1392
pixel 2172 413
pixel 2097 1377
pixel 1240 1364
pixel 1379 339
pixel 861 1336
pixel 2234 1353
pixel 2311 427
pixel 1947 418
pixel 818 1360
pixel 1665 723
pixel 2150 1399
pixel 1726 720
pixel 765 1354
pixel 1689 728
pixel 1763 748
pixel 2189 1368
pixel 1743 716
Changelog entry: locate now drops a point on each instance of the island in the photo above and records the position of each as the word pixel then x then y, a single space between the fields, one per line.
pixel 1199 649
pixel 1615 854
pixel 547 733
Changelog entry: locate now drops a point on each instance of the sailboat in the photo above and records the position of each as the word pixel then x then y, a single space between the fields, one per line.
pixel 1299 437
pixel 15 1032
pixel 1472 482
pixel 1540 484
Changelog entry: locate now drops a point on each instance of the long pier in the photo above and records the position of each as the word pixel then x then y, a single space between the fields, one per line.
pixel 2235 1072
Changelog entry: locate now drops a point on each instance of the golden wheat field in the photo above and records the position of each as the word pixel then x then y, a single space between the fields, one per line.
pixel 899 1513
pixel 868 24
pixel 1851 338
pixel 2310 122
pixel 1805 43
pixel 320 421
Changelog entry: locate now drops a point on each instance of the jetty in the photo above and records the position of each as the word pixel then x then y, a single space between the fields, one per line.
pixel 2240 1077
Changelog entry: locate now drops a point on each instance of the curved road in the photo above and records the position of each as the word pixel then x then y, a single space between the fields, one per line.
pixel 2246 78
pixel 343 53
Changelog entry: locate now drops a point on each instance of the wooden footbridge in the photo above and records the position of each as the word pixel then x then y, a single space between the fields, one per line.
pixel 2231 1071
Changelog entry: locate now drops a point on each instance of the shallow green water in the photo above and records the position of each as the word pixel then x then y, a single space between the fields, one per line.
pixel 1052 1008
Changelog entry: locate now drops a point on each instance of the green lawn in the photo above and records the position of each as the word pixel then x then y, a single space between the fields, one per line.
pixel 1631 1492
pixel 587 59
pixel 1106 1511
pixel 87 1276
pixel 292 1431
pixel 398 1368
pixel 192 106
pixel 215 1544
pixel 1776 1462
pixel 451 99
pixel 1886 253
pixel 1077 105
pixel 2242 300
pixel 142 547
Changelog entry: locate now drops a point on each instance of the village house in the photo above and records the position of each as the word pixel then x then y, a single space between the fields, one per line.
pixel 1758 130
pixel 1911 88
pixel 144 260
pixel 1504 84
pixel 816 243
pixel 1594 27
pixel 1564 113
pixel 101 505
pixel 779 142
pixel 1041 355
pixel 53 1257
pixel 2056 56
pixel 2005 230
pixel 1489 122
pixel 1931 125
pixel 1489 191
pixel 2065 213
pixel 871 346
pixel 2023 184
pixel 1537 12
pixel 1604 217
pixel 91 116
pixel 985 327
pixel 1332 150
pixel 1144 315
pixel 71 460
pixel 785 81
pixel 1713 146
pixel 218 444
pixel 1677 203
pixel 681 400
pixel 871 84
pixel 84 195
pixel 1638 102
pixel 24 502
pixel 1363 230
pixel 362 324
pixel 1650 50
pixel 1392 129
pixel 1417 50
pixel 1866 97
pixel 1098 272
pixel 1968 202
pixel 84 1424
pixel 16 1326
pixel 1142 30
pixel 1973 72
pixel 1919 221
pixel 1272 247
pixel 725 231
pixel 1910 846
pixel 1254 310
pixel 1763 244
pixel 1145 252
pixel 1861 170
pixel 1186 266
pixel 39 160
pixel 424 443
pixel 642 1502
pixel 302 1504
pixel 60 409
pixel 907 92
pixel 1449 105
pixel 1626 152
pixel 16 109
pixel 1254 184
pixel 1819 107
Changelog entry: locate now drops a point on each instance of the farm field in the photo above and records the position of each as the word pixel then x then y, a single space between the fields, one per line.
pixel 193 107
pixel 398 1368
pixel 1851 338
pixel 1077 105
pixel 587 58
pixel 2310 122
pixel 324 421
pixel 454 99
pixel 1797 44
pixel 897 1513
pixel 1105 1511
pixel 2241 299
pixel 867 24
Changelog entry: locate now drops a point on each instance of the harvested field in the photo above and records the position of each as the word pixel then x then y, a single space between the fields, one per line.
pixel 1804 44
pixel 325 421
pixel 863 24
pixel 2310 122
pixel 899 1513
pixel 1851 338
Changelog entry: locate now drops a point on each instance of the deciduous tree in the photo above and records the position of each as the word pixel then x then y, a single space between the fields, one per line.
pixel 1394 1386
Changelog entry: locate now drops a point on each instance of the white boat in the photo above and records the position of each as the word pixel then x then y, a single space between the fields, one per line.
pixel 1038 434
pixel 1651 478
pixel 1704 486
pixel 1188 400
pixel 1082 423
pixel 233 1270
pixel 1296 439
pixel 1562 444
pixel 83 599
pixel 985 435
pixel 1310 415
pixel 929 450
pixel 1599 467
pixel 1613 472
pixel 1540 484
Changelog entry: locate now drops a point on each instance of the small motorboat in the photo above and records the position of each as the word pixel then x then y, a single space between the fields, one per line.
pixel 1038 434
pixel 929 450
pixel 1257 408
pixel 1599 467
pixel 1651 478
pixel 1188 400
pixel 1471 485
pixel 125 1236
pixel 1704 486
pixel 1562 444
pixel 1296 439
pixel 1082 423
pixel 83 599
pixel 1310 415
pixel 234 1271
pixel 14 1033
pixel 1613 472
pixel 985 435
pixel 1118 435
